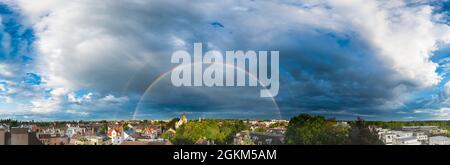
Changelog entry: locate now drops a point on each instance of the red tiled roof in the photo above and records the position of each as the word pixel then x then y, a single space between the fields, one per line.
pixel 118 129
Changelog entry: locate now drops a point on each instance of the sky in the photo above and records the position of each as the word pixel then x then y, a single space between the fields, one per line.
pixel 109 59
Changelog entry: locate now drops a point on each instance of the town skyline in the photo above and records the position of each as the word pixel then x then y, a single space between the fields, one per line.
pixel 302 129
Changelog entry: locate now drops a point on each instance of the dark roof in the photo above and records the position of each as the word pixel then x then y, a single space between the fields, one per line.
pixel 48 136
pixel 146 143
pixel 134 143
pixel 33 140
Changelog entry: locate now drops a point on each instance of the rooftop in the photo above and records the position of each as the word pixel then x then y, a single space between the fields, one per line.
pixel 409 138
pixel 19 130
pixel 440 138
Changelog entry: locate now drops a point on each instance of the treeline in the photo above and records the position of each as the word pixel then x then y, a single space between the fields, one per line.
pixel 217 131
pixel 317 130
pixel 14 123
pixel 399 124
pixel 303 129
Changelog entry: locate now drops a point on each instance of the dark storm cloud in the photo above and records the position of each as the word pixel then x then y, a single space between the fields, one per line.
pixel 332 61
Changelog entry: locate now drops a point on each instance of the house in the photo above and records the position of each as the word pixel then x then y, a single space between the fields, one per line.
pixel 75 130
pixel 406 140
pixel 117 134
pixel 204 141
pixel 438 131
pixel 19 136
pixel 137 137
pixel 87 140
pixel 154 142
pixel 439 140
pixel 53 139
pixel 243 138
pixel 79 140
pixel 387 138
pixel 277 130
pixel 400 134
pixel 419 128
pixel 265 138
pixel 153 132
pixel 381 132
pixel 2 136
pixel 421 136
pixel 183 120
pixel 135 143
pixel 432 130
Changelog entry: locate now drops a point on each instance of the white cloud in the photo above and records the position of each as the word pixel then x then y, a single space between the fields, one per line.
pixel 45 105
pixel 447 88
pixel 74 112
pixel 5 70
pixel 404 36
pixel 409 117
pixel 113 46
pixel 58 92
pixel 421 111
pixel 112 99
pixel 79 100
pixel 444 98
pixel 3 88
pixel 442 113
pixel 5 47
pixel 50 104
pixel 5 99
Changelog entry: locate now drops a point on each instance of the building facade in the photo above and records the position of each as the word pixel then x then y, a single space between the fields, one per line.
pixel 439 140
pixel 19 136
pixel 2 136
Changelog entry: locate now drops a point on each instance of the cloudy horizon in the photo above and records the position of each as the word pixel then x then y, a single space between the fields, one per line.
pixel 108 59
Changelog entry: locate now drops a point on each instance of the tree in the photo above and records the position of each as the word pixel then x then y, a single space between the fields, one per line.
pixel 168 135
pixel 260 129
pixel 171 123
pixel 360 134
pixel 218 131
pixel 125 126
pixel 305 130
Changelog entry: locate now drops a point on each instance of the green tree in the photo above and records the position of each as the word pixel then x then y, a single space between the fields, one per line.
pixel 306 130
pixel 360 134
pixel 171 123
pixel 260 129
pixel 219 131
